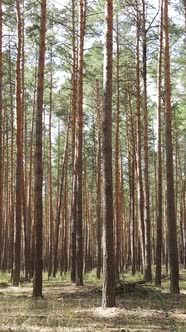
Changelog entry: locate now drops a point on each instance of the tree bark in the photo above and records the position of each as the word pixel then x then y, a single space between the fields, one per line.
pixel 79 145
pixel 171 215
pixel 59 206
pixel 19 161
pixel 147 221
pixel 131 170
pixel 98 187
pixel 138 152
pixel 74 175
pixel 11 246
pixel 51 219
pixel 31 221
pixel 159 163
pixel 38 199
pixel 117 170
pixel 1 113
pixel 108 293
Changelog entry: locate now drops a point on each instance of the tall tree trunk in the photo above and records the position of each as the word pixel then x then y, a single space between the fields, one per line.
pixel 59 205
pixel 147 221
pixel 5 156
pixel 184 219
pixel 1 111
pixel 123 215
pixel 98 187
pixel 65 239
pixel 38 199
pixel 11 245
pixel 23 169
pixel 50 167
pixel 79 145
pixel 171 213
pixel 17 246
pixel 132 163
pixel 85 219
pixel 159 163
pixel 108 293
pixel 74 175
pixel 138 154
pixel 117 170
pixel 30 220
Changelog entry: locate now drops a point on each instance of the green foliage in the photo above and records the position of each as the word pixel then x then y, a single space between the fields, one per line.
pixel 132 278
pixel 90 278
pixel 5 278
pixel 64 277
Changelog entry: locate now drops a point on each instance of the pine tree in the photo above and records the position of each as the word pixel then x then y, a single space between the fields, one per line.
pixel 38 200
pixel 108 293
pixel 171 213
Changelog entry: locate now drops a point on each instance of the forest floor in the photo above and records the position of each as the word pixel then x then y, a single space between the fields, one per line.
pixel 67 308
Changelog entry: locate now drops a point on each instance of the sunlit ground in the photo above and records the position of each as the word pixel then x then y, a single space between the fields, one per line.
pixel 66 307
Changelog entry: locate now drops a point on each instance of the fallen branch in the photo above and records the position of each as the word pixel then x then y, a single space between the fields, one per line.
pixel 128 287
pixel 123 287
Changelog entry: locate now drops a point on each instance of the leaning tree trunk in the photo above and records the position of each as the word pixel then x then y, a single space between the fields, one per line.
pixel 108 294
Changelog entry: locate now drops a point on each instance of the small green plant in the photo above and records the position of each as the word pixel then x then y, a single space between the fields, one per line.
pixel 132 278
pixel 91 278
pixel 157 295
pixel 5 277
pixel 64 277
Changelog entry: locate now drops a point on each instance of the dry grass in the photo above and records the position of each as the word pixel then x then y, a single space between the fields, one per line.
pixel 66 307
